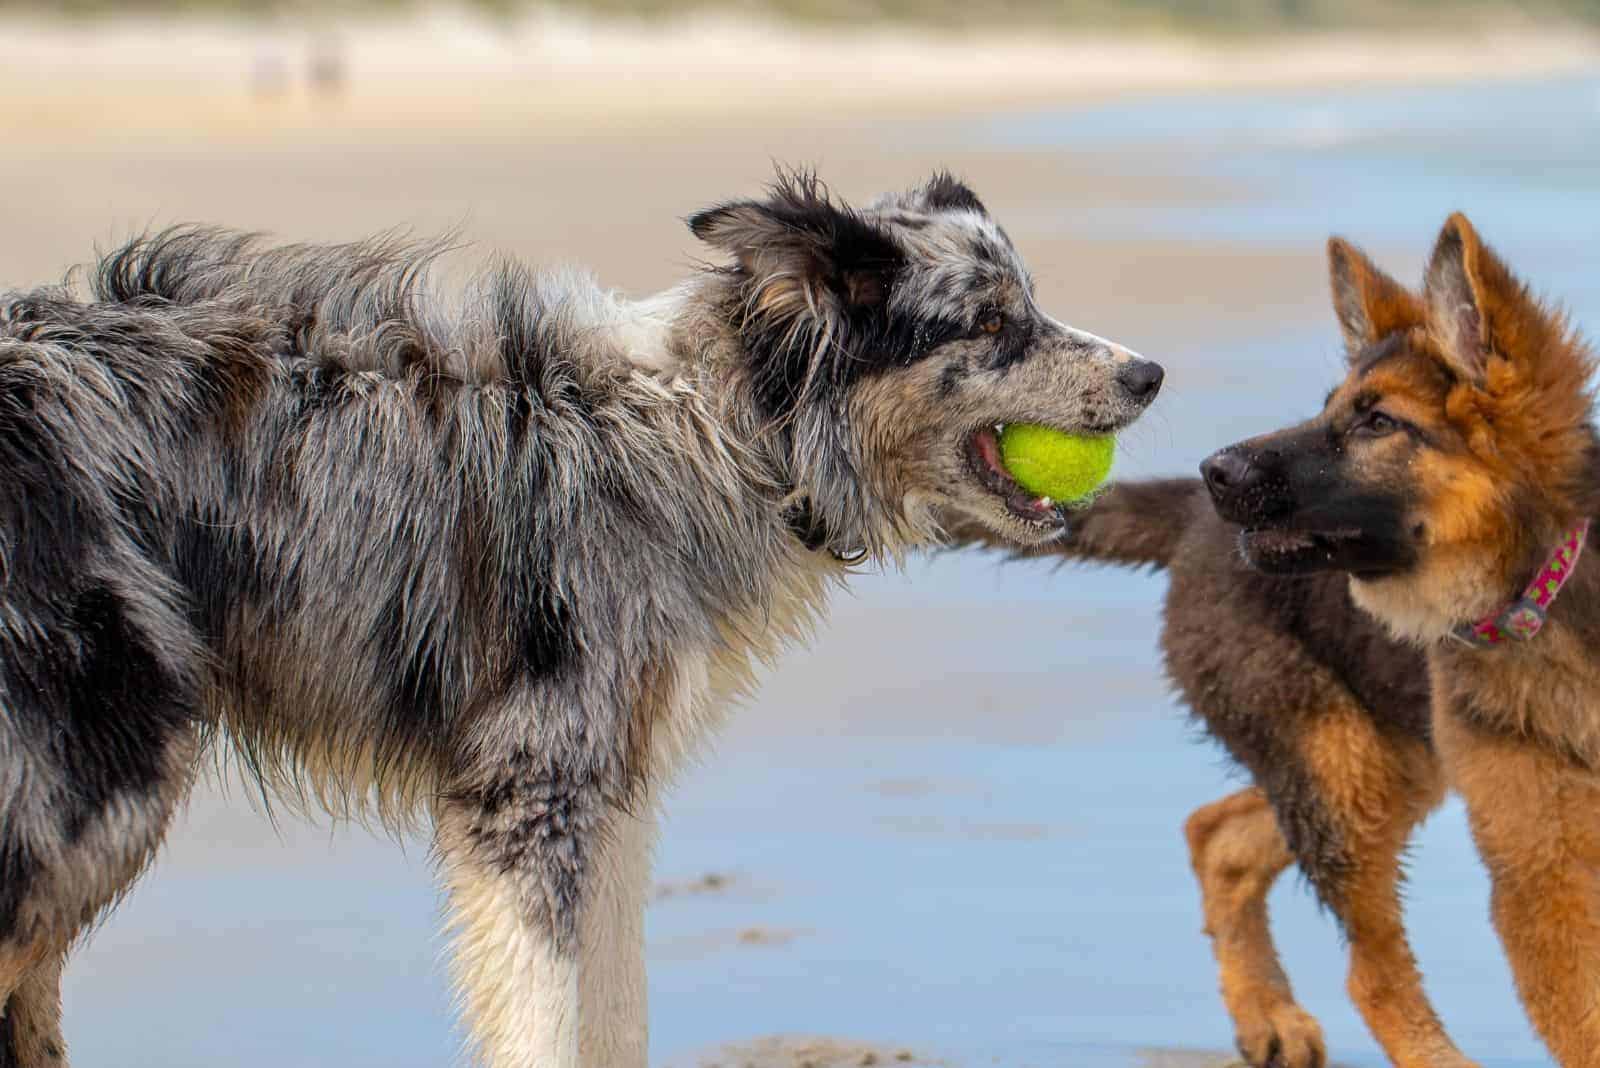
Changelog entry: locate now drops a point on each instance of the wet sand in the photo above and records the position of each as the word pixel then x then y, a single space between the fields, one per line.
pixel 808 1052
pixel 811 1052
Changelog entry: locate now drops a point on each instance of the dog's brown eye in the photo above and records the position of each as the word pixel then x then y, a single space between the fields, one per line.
pixel 992 323
pixel 1376 425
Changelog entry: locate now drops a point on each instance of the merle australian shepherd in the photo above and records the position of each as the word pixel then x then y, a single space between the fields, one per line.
pixel 495 561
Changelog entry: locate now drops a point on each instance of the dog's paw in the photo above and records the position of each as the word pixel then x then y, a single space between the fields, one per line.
pixel 1281 1036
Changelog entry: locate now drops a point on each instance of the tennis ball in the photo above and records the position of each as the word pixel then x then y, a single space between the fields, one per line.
pixel 1054 464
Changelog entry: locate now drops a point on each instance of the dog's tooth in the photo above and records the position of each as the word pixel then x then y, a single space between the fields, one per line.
pixel 1044 503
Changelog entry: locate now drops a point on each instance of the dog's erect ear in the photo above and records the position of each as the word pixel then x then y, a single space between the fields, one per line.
pixel 1369 303
pixel 1470 294
pixel 802 250
pixel 945 192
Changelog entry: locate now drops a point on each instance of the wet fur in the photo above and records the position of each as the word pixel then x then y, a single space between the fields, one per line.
pixel 497 560
pixel 1329 716
pixel 1495 460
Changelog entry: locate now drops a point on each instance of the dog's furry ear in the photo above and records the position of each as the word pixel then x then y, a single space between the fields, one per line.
pixel 1370 305
pixel 802 250
pixel 1470 295
pixel 945 192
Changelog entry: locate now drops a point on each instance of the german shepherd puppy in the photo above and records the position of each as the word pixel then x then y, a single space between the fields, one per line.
pixel 498 561
pixel 1330 717
pixel 1452 476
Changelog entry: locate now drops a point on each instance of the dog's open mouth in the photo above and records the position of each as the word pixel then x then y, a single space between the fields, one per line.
pixel 983 456
pixel 1282 551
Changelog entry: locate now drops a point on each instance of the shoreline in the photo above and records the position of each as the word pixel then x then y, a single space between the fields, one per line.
pixel 444 74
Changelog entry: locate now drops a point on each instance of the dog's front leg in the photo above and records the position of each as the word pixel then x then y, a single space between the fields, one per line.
pixel 515 851
pixel 1535 816
pixel 613 1024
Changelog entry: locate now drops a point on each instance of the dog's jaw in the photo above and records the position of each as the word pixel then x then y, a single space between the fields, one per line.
pixel 1425 604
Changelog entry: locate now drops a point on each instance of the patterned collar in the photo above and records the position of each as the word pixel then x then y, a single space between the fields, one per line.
pixel 1524 617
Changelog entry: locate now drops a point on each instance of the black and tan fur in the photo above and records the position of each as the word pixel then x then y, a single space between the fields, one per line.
pixel 1329 716
pixel 1439 477
pixel 496 561
pixel 1327 712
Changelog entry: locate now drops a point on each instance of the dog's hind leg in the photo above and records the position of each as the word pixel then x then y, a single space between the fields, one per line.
pixel 613 1024
pixel 1238 852
pixel 70 866
pixel 1535 816
pixel 98 744
pixel 1372 790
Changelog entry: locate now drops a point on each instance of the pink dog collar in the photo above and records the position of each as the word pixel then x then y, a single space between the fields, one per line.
pixel 1524 617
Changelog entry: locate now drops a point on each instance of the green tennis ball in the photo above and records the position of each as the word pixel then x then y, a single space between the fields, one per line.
pixel 1050 463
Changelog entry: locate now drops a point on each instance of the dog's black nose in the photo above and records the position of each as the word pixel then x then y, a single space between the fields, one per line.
pixel 1229 472
pixel 1142 379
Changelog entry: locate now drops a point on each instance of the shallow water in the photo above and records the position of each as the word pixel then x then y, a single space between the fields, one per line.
pixel 954 824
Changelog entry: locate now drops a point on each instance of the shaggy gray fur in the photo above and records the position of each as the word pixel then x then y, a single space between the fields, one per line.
pixel 496 558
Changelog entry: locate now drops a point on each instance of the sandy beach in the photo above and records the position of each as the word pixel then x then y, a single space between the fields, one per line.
pixel 563 141
pixel 811 1052
pixel 447 74
pixel 500 127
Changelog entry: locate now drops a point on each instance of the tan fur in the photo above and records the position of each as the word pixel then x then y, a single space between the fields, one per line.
pixel 1503 464
pixel 1379 789
pixel 15 964
pixel 1549 693
pixel 1460 503
pixel 34 1009
pixel 1369 303
pixel 1437 477
pixel 1536 819
pixel 1238 853
pixel 1341 775
pixel 1519 728
pixel 1515 415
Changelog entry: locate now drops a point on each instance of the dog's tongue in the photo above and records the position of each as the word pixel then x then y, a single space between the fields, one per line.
pixel 988 444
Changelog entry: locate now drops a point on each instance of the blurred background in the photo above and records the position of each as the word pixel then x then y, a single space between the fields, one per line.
pixel 951 830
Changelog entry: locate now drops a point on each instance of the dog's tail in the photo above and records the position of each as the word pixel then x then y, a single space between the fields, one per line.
pixel 357 285
pixel 180 265
pixel 1135 524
